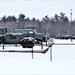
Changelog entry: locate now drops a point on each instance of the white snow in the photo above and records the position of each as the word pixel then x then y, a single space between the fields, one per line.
pixel 63 60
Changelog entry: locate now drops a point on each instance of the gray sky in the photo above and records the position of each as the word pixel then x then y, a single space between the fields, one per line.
pixel 37 8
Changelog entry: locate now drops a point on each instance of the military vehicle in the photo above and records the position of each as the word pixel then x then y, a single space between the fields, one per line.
pixel 27 32
pixel 65 36
pixel 18 37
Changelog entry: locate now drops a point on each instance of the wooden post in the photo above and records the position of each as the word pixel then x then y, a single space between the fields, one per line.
pixel 3 40
pixel 15 45
pixel 71 40
pixel 41 45
pixel 32 53
pixel 3 45
pixel 51 53
pixel 46 43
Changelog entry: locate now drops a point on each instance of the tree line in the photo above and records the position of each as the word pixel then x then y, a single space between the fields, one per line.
pixel 56 25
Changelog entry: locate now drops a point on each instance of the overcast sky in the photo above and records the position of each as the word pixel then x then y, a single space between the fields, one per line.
pixel 37 8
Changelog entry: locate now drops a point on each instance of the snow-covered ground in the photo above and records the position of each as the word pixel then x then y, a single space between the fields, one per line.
pixel 63 60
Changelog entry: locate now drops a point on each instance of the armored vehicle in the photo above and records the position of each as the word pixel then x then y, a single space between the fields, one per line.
pixel 20 35
pixel 29 32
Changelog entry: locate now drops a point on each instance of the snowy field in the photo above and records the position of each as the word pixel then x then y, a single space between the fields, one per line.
pixel 63 60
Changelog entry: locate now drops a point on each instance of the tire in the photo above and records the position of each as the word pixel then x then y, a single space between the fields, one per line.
pixel 27 44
